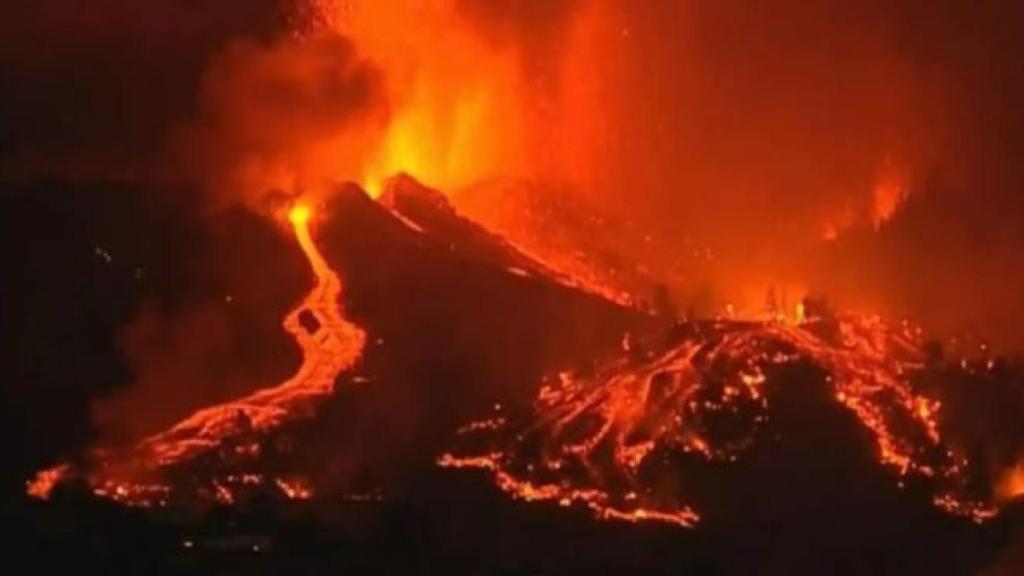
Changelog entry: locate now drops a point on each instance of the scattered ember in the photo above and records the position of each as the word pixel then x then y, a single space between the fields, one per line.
pixel 295 489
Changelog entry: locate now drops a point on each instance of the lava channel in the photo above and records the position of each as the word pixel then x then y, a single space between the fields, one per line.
pixel 330 345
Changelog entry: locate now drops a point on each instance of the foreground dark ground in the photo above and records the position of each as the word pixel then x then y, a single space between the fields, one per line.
pixel 459 525
pixel 437 304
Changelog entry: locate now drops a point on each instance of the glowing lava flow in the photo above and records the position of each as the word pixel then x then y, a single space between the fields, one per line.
pixel 599 437
pixel 615 440
pixel 330 344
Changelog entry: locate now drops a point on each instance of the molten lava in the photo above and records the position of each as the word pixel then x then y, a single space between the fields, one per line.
pixel 609 441
pixel 330 344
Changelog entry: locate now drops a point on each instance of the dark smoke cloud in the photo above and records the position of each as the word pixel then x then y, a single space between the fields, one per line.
pixel 183 98
pixel 282 114
pixel 184 92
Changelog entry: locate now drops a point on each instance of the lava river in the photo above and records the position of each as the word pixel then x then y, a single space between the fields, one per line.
pixel 330 344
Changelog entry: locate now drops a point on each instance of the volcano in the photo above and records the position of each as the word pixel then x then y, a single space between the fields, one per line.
pixel 409 292
pixel 512 287
pixel 452 383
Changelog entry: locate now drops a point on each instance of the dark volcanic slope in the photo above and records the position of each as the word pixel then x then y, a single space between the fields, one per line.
pixel 436 284
pixel 456 322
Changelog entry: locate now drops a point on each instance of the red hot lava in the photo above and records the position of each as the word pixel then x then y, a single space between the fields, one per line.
pixel 603 440
pixel 330 345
